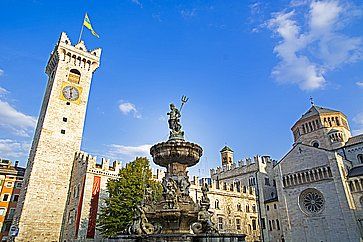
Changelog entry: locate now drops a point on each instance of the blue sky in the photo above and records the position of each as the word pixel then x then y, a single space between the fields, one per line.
pixel 248 67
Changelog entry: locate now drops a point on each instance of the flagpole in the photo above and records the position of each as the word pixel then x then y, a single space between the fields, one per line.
pixel 80 34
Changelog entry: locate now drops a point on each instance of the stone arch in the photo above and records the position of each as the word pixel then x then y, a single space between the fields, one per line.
pixel 360 158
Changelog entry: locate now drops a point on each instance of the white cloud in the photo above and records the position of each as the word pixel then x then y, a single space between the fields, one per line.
pixel 185 13
pixel 13 149
pixel 137 2
pixel 359 84
pixel 18 122
pixel 308 50
pixel 127 108
pixel 255 7
pixel 128 152
pixel 3 91
pixel 358 120
pixel 1 72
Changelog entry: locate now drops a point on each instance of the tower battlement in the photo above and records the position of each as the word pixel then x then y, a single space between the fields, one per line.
pixel 93 166
pixel 244 166
pixel 77 55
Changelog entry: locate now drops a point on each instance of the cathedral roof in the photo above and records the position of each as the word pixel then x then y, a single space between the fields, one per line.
pixel 355 140
pixel 314 110
pixel 355 171
pixel 226 148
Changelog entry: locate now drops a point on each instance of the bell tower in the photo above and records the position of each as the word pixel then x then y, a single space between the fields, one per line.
pixel 57 138
pixel 226 156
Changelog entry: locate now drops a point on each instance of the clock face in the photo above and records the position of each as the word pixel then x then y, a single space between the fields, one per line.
pixel 71 93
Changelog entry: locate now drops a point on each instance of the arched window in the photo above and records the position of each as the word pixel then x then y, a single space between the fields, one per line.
pixel 74 76
pixel 247 208
pixel 238 186
pixel 315 144
pixel 360 158
pixel 269 225
pixel 238 224
pixel 216 204
pixel 277 224
pixel 244 189
pixel 239 207
pixel 254 208
pixel 220 223
pixel 337 121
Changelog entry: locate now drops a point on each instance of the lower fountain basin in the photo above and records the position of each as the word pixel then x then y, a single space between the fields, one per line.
pixel 180 238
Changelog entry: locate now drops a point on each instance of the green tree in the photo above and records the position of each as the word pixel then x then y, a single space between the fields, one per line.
pixel 125 193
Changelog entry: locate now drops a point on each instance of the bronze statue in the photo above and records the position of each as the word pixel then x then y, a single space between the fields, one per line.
pixel 174 120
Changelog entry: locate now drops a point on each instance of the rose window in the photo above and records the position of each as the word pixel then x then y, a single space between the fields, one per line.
pixel 312 201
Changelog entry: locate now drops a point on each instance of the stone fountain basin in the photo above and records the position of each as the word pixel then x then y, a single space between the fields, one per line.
pixel 176 151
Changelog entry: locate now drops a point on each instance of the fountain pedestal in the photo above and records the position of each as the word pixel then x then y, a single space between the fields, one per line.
pixel 176 211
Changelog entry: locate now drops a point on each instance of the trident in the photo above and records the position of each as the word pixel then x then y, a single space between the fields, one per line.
pixel 184 99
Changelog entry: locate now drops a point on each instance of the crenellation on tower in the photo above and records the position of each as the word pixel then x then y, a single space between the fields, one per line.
pixel 244 165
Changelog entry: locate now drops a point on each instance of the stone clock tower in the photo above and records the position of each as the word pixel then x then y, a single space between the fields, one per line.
pixel 57 138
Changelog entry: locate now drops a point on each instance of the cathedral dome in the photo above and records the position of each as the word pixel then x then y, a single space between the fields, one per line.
pixel 322 127
pixel 317 110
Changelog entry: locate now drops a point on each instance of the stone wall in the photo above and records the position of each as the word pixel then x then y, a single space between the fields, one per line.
pixel 88 187
pixel 299 223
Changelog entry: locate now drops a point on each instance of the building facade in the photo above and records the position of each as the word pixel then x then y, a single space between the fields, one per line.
pixel 255 175
pixel 11 180
pixel 87 191
pixel 233 210
pixel 319 180
pixel 57 138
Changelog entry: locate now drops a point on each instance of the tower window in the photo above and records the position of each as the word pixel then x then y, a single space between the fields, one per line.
pixel 68 103
pixel 64 119
pixel 74 76
pixel 63 131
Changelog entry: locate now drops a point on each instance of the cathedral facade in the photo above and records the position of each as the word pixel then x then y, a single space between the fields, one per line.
pixel 319 179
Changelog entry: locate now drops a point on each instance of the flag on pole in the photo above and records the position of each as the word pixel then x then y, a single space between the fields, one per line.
pixel 88 25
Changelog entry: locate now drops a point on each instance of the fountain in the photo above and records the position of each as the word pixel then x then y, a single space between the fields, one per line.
pixel 176 217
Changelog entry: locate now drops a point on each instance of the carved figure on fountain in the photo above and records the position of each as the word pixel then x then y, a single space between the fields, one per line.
pixel 170 193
